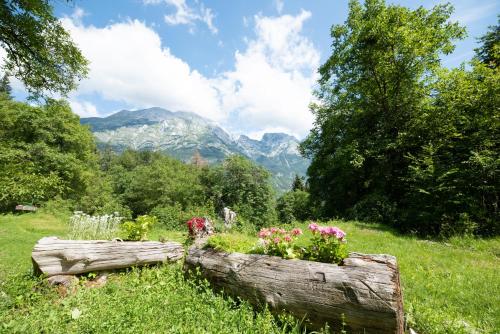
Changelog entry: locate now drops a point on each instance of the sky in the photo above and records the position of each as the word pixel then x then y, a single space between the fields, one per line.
pixel 249 65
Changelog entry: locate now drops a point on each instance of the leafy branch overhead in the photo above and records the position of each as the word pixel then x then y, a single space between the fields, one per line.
pixel 39 51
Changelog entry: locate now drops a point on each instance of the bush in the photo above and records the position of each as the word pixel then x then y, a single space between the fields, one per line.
pixel 293 205
pixel 243 186
pixel 375 209
pixel 138 229
pixel 173 217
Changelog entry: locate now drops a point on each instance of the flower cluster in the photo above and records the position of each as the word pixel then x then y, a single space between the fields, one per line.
pixel 278 241
pixel 195 224
pixel 327 231
pixel 328 244
pixel 199 227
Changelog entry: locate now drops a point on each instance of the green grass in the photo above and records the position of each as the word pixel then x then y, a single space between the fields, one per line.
pixel 18 235
pixel 149 300
pixel 448 287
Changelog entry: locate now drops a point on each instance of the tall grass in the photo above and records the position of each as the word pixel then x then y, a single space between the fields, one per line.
pixel 86 227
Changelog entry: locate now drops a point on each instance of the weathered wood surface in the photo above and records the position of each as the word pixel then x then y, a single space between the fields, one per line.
pixel 52 256
pixel 366 289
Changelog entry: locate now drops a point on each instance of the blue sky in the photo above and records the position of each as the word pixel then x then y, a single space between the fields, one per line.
pixel 248 65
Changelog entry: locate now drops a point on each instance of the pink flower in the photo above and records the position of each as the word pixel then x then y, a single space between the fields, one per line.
pixel 264 233
pixel 338 233
pixel 282 231
pixel 274 229
pixel 288 238
pixel 314 227
pixel 277 240
pixel 296 231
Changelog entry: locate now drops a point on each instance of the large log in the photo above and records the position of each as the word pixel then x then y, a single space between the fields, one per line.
pixel 365 290
pixel 52 256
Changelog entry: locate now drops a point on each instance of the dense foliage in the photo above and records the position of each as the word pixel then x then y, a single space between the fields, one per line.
pixel 397 138
pixel 293 205
pixel 44 153
pixel 145 180
pixel 39 52
pixel 138 229
pixel 242 186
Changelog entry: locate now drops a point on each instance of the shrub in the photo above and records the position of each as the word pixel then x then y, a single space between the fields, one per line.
pixel 243 186
pixel 375 209
pixel 138 229
pixel 173 217
pixel 293 205
pixel 84 226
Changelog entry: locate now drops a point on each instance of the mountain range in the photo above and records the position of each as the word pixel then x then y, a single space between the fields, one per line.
pixel 182 134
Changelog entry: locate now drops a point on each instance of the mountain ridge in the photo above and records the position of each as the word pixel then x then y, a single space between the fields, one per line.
pixel 181 134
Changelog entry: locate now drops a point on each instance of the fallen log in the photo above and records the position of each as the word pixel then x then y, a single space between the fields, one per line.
pixel 52 256
pixel 364 291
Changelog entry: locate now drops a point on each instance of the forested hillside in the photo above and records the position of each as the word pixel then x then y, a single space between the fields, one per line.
pixel 399 138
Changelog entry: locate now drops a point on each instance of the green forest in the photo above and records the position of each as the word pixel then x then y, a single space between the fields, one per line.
pixel 404 157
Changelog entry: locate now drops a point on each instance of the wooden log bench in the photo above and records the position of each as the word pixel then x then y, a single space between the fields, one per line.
pixel 52 256
pixel 364 291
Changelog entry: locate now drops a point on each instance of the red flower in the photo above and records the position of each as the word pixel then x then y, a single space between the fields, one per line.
pixel 195 224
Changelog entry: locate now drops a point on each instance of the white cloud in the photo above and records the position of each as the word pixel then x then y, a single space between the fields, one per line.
pixel 78 14
pixel 271 85
pixel 129 64
pixel 83 109
pixel 269 88
pixel 184 14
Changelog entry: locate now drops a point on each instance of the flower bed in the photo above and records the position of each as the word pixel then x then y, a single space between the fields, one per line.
pixel 328 244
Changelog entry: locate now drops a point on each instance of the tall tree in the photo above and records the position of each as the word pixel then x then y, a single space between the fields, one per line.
pixel 44 152
pixel 244 187
pixel 489 51
pixel 377 80
pixel 5 86
pixel 40 53
pixel 298 183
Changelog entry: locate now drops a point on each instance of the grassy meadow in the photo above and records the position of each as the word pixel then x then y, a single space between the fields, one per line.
pixel 448 287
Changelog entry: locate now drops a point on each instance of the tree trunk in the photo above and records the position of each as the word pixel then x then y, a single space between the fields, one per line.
pixel 52 256
pixel 365 290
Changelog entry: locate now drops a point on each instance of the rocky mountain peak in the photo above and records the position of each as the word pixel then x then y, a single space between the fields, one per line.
pixel 181 134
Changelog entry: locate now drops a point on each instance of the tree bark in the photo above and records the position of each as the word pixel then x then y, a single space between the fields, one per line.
pixel 52 256
pixel 364 291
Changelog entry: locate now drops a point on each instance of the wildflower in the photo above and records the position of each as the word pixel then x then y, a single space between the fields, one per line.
pixel 196 223
pixel 338 233
pixel 296 231
pixel 200 224
pixel 314 227
pixel 277 240
pixel 264 233
pixel 287 238
pixel 274 229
